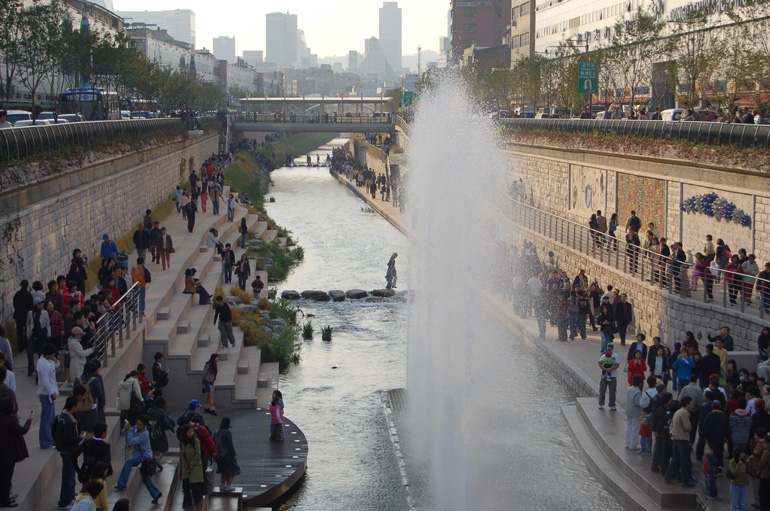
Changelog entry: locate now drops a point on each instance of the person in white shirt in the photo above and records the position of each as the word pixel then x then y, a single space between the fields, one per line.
pixel 608 363
pixel 10 378
pixel 47 391
pixel 4 120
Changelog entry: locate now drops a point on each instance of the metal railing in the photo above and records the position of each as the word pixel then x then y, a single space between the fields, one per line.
pixel 17 143
pixel 648 266
pixel 404 126
pixel 280 118
pixel 116 325
pixel 698 132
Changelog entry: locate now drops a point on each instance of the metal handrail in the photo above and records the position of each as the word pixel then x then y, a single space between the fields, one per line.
pixel 404 126
pixel 18 143
pixel 123 315
pixel 698 132
pixel 637 261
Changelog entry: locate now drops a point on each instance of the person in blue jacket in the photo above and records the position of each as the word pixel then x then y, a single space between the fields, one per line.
pixel 109 250
pixel 683 366
pixel 139 437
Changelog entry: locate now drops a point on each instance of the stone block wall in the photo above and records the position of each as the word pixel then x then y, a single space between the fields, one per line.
pixel 40 236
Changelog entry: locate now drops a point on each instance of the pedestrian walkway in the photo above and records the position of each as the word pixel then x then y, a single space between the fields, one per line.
pixel 385 208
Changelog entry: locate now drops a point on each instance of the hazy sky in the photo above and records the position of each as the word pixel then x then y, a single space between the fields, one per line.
pixel 332 27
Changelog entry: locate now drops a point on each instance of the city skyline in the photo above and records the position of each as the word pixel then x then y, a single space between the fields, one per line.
pixel 331 28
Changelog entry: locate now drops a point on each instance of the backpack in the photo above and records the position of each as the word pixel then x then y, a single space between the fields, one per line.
pixel 208 446
pixel 55 428
pixel 88 403
pixel 154 427
pixel 221 451
pixel 648 408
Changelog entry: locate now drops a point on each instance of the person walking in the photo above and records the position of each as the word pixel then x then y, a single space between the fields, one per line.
pixel 192 208
pixel 215 194
pixel 142 276
pixel 227 458
pixel 178 197
pixel 257 285
pixel 77 270
pixel 13 448
pixel 165 248
pixel 47 392
pixel 633 412
pixel 67 440
pixel 209 377
pixel 155 241
pixel 243 271
pixel 223 313
pixel 243 230
pixel 624 316
pixel 231 205
pixel 608 363
pixel 192 467
pixel 141 239
pixel 138 437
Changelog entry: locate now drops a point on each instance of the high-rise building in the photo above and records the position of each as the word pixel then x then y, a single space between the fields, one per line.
pixel 179 23
pixel 478 23
pixel 352 61
pixel 224 48
pixel 390 33
pixel 375 62
pixel 522 40
pixel 252 57
pixel 281 39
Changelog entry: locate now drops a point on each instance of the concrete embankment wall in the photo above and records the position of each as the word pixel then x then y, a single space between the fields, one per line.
pixel 72 210
pixel 573 184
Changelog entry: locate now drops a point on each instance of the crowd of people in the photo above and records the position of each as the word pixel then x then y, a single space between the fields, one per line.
pixel 694 391
pixel 390 188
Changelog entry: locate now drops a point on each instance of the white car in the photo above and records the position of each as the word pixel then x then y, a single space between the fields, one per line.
pixel 125 115
pixel 15 116
pixel 72 117
pixel 28 122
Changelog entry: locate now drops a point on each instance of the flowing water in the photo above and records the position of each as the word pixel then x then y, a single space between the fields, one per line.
pixel 487 427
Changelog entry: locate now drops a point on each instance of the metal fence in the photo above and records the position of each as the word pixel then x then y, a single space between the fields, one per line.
pixel 403 125
pixel 279 118
pixel 17 143
pixel 117 324
pixel 712 133
pixel 665 273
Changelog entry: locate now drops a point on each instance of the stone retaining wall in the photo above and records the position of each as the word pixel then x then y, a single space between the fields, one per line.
pixel 76 209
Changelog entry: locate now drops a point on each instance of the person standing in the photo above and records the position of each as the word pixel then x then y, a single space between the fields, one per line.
pixel 608 363
pixel 108 248
pixel 231 205
pixel 276 419
pixel 215 194
pixel 78 354
pixel 142 276
pixel 243 230
pixel 192 467
pixel 47 392
pixel 209 377
pixel 159 423
pixel 94 450
pixel 67 440
pixel 680 435
pixel 38 330
pixel 192 208
pixel 159 374
pixel 13 449
pixel 633 412
pixel 228 261
pixel 154 242
pixel 243 271
pixel 257 286
pixel 739 485
pixel 78 271
pixel 624 316
pixel 601 225
pixel 605 317
pixel 392 268
pixel 138 437
pixel 22 305
pixel 165 248
pixel 227 458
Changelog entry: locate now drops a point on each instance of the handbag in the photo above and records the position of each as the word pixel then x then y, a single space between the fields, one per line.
pixel 137 405
pixel 729 474
pixel 148 467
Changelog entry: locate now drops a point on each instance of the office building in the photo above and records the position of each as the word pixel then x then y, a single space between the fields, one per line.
pixel 179 23
pixel 281 39
pixel 252 57
pixel 374 62
pixel 481 24
pixel 224 48
pixel 352 61
pixel 390 33
pixel 521 39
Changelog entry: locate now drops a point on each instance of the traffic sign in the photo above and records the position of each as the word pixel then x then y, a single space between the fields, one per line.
pixel 588 78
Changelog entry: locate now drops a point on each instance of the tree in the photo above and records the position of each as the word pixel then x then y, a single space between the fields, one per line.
pixel 11 34
pixel 636 43
pixel 527 81
pixel 698 51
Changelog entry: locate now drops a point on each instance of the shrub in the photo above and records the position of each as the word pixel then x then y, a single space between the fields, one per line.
pixel 298 253
pixel 264 304
pixel 284 349
pixel 326 333
pixel 307 331
pixel 245 297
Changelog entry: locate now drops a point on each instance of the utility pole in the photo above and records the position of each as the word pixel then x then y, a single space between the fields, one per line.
pixel 419 62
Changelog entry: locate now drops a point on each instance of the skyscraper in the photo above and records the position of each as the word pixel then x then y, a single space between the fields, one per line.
pixel 224 48
pixel 179 23
pixel 390 33
pixel 281 39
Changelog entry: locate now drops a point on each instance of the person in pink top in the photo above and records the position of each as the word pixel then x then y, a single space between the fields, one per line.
pixel 276 419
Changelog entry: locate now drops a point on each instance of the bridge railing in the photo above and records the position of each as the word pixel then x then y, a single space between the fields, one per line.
pixel 732 293
pixel 697 132
pixel 18 143
pixel 403 126
pixel 280 118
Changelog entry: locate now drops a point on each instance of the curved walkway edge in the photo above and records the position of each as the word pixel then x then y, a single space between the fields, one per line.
pixel 395 217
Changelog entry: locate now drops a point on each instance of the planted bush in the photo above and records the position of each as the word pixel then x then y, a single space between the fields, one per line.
pixel 326 333
pixel 307 331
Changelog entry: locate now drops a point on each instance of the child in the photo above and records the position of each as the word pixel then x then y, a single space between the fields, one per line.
pixel 276 420
pixel 711 469
pixel 279 396
pixel 85 501
pixel 100 474
pixel 645 434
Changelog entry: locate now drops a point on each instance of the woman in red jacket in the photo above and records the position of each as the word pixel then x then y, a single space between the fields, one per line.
pixel 57 325
pixel 635 366
pixel 734 277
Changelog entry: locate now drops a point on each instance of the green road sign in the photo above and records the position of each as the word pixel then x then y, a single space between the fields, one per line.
pixel 409 97
pixel 588 78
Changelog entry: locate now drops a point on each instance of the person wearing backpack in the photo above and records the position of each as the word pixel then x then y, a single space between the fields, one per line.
pixel 160 422
pixel 65 433
pixel 87 415
pixel 209 377
pixel 94 450
pixel 206 439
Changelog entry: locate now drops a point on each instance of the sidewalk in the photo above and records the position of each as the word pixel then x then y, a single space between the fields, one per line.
pixel 385 208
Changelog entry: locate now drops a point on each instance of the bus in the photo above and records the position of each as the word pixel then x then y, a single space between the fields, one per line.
pixel 94 104
pixel 144 108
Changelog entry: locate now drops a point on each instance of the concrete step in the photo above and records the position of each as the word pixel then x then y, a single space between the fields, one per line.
pixel 607 429
pixel 623 488
pixel 162 313
pixel 246 382
pixel 164 331
pixel 270 234
pixel 183 327
pixel 204 340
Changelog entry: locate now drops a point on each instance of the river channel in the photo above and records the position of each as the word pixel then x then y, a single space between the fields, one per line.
pixel 524 454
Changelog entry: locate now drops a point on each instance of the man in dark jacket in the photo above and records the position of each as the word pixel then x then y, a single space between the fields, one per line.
pixel 159 374
pixel 652 352
pixel 154 242
pixel 22 304
pixel 710 363
pixel 94 450
pixel 716 429
pixel 662 448
pixel 141 240
pixel 624 314
pixel 637 345
pixel 67 440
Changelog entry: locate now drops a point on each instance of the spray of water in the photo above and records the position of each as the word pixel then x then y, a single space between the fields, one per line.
pixel 455 171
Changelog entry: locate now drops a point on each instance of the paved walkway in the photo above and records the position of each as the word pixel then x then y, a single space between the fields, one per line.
pixel 385 208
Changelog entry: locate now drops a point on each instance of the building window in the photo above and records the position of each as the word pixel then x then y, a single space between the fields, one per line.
pixel 498 12
pixel 498 28
pixel 525 39
pixel 514 42
pixel 524 9
pixel 470 12
pixel 470 28
pixel 514 13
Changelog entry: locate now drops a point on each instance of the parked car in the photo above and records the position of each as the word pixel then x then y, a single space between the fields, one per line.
pixel 544 115
pixel 607 114
pixel 15 116
pixel 675 114
pixel 125 115
pixel 60 119
pixel 28 122
pixel 72 117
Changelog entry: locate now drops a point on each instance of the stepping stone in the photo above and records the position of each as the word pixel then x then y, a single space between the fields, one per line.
pixel 318 296
pixel 337 295
pixel 290 294
pixel 385 293
pixel 356 294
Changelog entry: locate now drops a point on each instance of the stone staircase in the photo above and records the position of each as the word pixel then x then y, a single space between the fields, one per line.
pixel 183 331
pixel 600 436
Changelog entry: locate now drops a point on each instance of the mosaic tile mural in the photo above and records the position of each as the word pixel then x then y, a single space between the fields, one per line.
pixel 646 196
